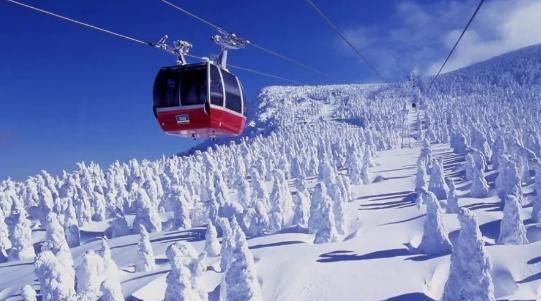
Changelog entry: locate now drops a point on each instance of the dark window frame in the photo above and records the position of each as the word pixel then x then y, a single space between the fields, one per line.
pixel 190 93
pixel 233 93
pixel 216 93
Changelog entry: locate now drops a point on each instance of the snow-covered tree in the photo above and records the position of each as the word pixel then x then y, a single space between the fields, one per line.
pixel 99 205
pixel 119 225
pixel 258 219
pixel 212 245
pixel 469 275
pixel 437 183
pixel 479 142
pixel 5 243
pixel 21 239
pixel 183 281
pixel 258 187
pixel 111 291
pixel 459 143
pixel 339 211
pixel 227 243
pixel 240 281
pixel 498 150
pixel 326 171
pixel 179 285
pixel 536 202
pixel 55 283
pixel 425 157
pixel 89 276
pixel 46 203
pixel 55 241
pixel 301 200
pixel 71 227
pixel 110 268
pixel 469 167
pixel 452 197
pixel 345 187
pixel 181 208
pixel 512 230
pixel 420 177
pixel 365 172
pixel 354 166
pixel 322 221
pixel 144 261
pixel 508 180
pixel 479 187
pixel 146 215
pixel 435 239
pixel 28 293
pixel 244 190
pixel 276 219
pixel 281 210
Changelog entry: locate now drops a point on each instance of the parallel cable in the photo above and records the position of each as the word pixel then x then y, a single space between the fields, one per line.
pixel 123 36
pixel 269 75
pixel 139 41
pixel 285 58
pixel 265 74
pixel 457 41
pixel 343 37
pixel 259 47
pixel 192 15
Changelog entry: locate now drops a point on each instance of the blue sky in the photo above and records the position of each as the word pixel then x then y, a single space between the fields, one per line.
pixel 69 94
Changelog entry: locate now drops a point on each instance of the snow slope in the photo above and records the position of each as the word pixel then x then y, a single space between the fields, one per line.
pixel 377 258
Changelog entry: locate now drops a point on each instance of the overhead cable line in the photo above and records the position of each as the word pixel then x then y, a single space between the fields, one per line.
pixel 259 47
pixel 269 75
pixel 193 15
pixel 81 23
pixel 457 41
pixel 265 74
pixel 343 37
pixel 139 41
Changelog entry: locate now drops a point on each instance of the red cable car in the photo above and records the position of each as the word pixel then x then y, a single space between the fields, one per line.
pixel 199 100
pixel 202 99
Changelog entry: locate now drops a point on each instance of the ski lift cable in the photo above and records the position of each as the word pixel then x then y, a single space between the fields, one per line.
pixel 253 71
pixel 129 38
pixel 80 23
pixel 457 41
pixel 218 28
pixel 343 37
pixel 285 58
pixel 259 47
pixel 265 74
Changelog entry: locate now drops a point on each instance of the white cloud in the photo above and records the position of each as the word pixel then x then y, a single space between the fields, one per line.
pixel 419 36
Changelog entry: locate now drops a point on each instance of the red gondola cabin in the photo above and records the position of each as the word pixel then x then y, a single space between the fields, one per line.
pixel 199 100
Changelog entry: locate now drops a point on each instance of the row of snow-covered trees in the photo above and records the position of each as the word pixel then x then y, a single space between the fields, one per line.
pixel 497 130
pixel 97 276
pixel 298 174
pixel 228 178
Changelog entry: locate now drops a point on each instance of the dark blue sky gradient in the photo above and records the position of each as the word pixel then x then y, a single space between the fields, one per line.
pixel 70 94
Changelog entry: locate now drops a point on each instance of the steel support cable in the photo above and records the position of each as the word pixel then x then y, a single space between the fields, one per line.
pixel 344 38
pixel 253 71
pixel 285 58
pixel 81 23
pixel 265 74
pixel 193 15
pixel 259 47
pixel 123 36
pixel 457 41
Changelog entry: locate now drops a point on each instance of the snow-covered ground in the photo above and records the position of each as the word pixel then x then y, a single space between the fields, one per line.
pixel 369 247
